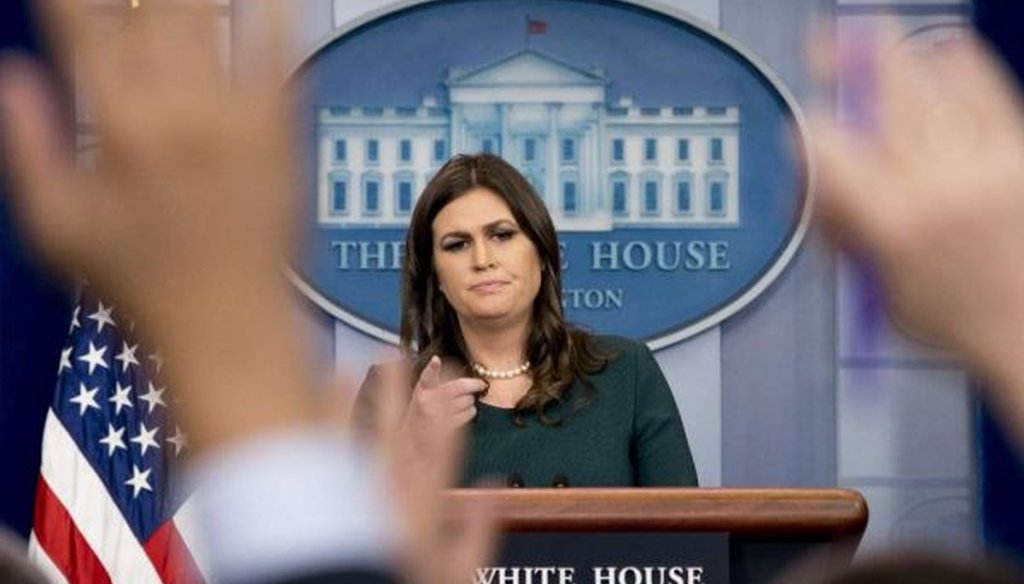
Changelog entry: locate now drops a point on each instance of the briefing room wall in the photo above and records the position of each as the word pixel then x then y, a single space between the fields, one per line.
pixel 795 399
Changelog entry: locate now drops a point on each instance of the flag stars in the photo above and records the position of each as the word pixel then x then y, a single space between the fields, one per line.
pixel 65 360
pixel 139 481
pixel 154 397
pixel 102 317
pixel 113 440
pixel 95 358
pixel 146 438
pixel 127 356
pixel 75 323
pixel 85 399
pixel 120 398
pixel 179 440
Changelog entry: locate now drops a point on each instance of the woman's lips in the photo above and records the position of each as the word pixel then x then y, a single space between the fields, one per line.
pixel 489 286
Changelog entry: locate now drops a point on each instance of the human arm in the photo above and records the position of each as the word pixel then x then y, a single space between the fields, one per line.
pixel 661 454
pixel 933 194
pixel 187 220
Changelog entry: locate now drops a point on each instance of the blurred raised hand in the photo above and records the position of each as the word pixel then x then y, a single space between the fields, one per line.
pixel 930 186
pixel 186 218
pixel 424 453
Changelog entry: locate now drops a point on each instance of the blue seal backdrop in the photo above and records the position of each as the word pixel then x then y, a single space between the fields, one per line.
pixel 650 57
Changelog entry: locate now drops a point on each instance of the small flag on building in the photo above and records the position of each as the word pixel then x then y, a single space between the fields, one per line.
pixel 105 510
pixel 534 26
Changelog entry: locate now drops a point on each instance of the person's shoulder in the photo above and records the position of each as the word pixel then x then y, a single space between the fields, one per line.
pixel 616 345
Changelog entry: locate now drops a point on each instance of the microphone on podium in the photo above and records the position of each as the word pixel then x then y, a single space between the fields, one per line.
pixel 560 481
pixel 515 480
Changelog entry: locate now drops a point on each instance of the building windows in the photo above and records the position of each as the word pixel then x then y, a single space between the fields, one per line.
pixel 651 198
pixel 371 195
pixel 683 150
pixel 490 144
pixel 568 150
pixel 650 150
pixel 440 151
pixel 620 196
pixel 715 153
pixel 716 198
pixel 618 150
pixel 403 194
pixel 619 184
pixel 339 195
pixel 529 150
pixel 666 170
pixel 570 203
pixel 684 197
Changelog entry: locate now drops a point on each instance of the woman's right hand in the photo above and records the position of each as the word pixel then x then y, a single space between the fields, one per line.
pixel 452 402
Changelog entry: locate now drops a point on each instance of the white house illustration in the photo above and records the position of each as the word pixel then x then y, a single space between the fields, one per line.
pixel 597 165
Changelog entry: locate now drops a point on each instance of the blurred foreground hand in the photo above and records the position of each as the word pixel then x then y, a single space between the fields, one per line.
pixel 931 189
pixel 187 220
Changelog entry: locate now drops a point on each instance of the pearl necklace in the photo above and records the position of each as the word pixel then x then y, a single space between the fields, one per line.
pixel 507 374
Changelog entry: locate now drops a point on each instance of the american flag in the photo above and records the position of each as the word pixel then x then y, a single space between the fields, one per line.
pixel 106 509
pixel 536 26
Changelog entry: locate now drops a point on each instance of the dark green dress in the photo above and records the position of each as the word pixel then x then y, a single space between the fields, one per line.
pixel 628 434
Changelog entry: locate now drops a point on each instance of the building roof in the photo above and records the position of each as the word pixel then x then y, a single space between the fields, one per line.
pixel 526 67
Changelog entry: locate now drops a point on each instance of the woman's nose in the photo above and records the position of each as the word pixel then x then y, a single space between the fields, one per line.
pixel 482 256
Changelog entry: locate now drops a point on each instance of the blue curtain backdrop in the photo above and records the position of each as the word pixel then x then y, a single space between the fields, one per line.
pixel 34 316
pixel 1002 475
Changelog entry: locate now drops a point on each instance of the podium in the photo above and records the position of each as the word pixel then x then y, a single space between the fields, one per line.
pixel 754 533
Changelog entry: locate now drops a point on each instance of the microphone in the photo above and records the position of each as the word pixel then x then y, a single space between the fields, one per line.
pixel 560 481
pixel 515 480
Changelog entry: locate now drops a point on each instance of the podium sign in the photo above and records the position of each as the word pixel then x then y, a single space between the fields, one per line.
pixel 667 536
pixel 610 558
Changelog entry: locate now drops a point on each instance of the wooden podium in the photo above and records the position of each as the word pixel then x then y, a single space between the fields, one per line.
pixel 766 529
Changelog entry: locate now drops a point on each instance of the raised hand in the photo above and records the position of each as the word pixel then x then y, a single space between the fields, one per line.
pixel 451 402
pixel 187 216
pixel 933 192
pixel 186 220
pixel 424 455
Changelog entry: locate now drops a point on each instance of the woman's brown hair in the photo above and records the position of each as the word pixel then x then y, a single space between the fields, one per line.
pixel 559 353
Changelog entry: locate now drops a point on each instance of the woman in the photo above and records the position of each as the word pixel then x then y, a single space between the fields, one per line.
pixel 548 404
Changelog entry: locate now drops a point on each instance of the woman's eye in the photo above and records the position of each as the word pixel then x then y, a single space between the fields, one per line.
pixel 451 246
pixel 504 235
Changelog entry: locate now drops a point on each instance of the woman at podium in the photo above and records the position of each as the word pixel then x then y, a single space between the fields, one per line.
pixel 547 404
